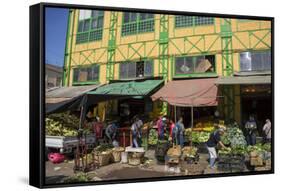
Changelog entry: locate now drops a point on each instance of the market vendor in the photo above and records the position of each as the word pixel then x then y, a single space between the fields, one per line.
pixel 111 132
pixel 267 131
pixel 180 132
pixel 135 133
pixel 251 128
pixel 213 141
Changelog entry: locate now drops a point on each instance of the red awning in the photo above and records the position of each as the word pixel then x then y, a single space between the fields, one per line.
pixel 187 93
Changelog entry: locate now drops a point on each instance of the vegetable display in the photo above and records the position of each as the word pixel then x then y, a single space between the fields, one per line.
pixel 103 147
pixel 200 137
pixel 234 137
pixel 61 124
pixel 152 137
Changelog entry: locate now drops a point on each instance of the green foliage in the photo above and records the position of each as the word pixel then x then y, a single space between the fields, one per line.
pixel 152 137
pixel 234 136
pixel 79 177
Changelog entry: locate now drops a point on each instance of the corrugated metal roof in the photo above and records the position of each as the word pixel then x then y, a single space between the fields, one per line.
pixel 232 80
pixel 61 94
pixel 132 88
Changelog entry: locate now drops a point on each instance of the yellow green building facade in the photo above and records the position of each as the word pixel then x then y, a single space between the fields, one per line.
pixel 109 45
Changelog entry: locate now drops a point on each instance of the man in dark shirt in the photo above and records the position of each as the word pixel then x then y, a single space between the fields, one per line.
pixel 213 141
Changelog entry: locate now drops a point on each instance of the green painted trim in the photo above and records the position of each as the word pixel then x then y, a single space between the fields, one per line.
pixel 86 82
pixel 90 29
pixel 135 61
pixel 205 74
pixel 193 23
pixel 65 50
pixel 137 22
pixel 72 20
pixel 198 75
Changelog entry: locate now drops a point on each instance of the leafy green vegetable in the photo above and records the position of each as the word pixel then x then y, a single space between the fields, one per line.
pixel 234 136
pixel 152 137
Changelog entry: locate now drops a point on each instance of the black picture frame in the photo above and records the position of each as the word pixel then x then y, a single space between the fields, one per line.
pixel 37 94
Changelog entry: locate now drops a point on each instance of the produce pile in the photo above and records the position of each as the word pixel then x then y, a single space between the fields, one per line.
pixel 152 137
pixel 207 126
pixel 199 137
pixel 244 150
pixel 103 148
pixel 234 137
pixel 189 151
pixel 61 124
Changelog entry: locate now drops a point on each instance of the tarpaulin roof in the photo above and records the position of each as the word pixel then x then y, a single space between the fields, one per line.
pixel 232 80
pixel 64 98
pixel 132 88
pixel 187 93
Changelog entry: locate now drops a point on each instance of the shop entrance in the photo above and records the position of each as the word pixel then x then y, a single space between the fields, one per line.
pixel 199 114
pixel 256 100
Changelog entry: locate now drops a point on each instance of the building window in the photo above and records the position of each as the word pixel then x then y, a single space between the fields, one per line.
pixel 255 61
pixel 86 74
pixel 134 23
pixel 194 64
pixel 136 69
pixel 190 21
pixel 90 26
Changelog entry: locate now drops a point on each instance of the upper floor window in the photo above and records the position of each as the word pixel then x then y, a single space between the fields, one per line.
pixel 90 26
pixel 194 64
pixel 136 69
pixel 86 74
pixel 255 61
pixel 190 21
pixel 134 23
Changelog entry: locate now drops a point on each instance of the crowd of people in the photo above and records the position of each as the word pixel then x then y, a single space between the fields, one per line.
pixel 174 132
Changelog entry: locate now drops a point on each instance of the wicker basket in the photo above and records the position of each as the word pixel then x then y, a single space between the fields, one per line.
pixel 134 161
pixel 116 154
pixel 104 158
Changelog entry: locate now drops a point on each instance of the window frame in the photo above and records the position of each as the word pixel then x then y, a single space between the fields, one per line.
pixel 193 22
pixel 138 22
pixel 88 82
pixel 135 62
pixel 254 51
pixel 90 30
pixel 198 74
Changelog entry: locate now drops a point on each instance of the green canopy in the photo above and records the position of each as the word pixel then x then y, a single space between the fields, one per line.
pixel 131 88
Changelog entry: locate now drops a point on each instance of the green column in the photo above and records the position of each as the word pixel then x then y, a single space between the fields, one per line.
pixel 111 46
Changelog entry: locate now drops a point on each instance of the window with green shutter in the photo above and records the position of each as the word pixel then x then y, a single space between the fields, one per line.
pixel 90 26
pixel 86 74
pixel 134 23
pixel 136 69
pixel 191 21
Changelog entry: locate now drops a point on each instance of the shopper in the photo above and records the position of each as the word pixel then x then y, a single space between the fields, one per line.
pixel 135 134
pixel 251 128
pixel 139 125
pixel 267 131
pixel 180 132
pixel 213 141
pixel 111 132
pixel 162 127
pixel 173 131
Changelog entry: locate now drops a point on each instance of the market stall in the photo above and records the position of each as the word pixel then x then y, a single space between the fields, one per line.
pixel 194 93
